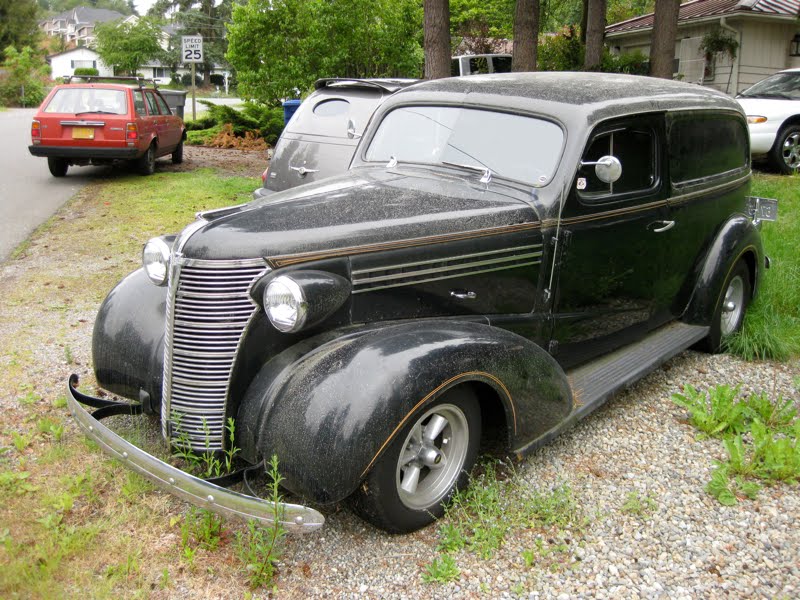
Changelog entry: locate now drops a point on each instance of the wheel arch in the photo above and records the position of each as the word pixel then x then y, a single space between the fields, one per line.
pixel 330 413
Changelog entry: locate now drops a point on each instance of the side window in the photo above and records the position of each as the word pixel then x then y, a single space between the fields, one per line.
pixel 501 64
pixel 152 108
pixel 478 65
pixel 635 147
pixel 704 145
pixel 138 103
pixel 162 104
pixel 455 71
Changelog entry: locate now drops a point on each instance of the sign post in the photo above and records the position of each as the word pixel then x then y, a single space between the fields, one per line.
pixel 192 52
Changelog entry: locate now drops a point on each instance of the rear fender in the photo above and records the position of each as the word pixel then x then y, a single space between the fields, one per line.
pixel 738 239
pixel 329 407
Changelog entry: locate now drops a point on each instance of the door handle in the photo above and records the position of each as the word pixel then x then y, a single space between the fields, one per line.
pixel 302 170
pixel 463 295
pixel 661 226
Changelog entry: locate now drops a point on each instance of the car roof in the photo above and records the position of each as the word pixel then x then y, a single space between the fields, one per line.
pixel 568 96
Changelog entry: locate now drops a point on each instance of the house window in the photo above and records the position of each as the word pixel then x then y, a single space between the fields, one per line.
pixel 160 72
pixel 794 47
pixel 83 64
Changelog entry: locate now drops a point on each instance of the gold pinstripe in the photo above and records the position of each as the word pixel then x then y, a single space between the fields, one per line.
pixel 428 397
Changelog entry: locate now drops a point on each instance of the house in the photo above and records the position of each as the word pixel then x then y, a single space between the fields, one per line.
pixel 76 26
pixel 767 33
pixel 64 64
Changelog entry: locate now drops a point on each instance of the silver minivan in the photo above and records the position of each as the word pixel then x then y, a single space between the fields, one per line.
pixel 321 137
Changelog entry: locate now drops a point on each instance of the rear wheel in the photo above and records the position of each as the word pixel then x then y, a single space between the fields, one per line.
pixel 730 310
pixel 785 154
pixel 425 464
pixel 146 164
pixel 58 166
pixel 177 155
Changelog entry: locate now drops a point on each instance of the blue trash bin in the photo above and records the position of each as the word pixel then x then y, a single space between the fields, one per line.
pixel 289 108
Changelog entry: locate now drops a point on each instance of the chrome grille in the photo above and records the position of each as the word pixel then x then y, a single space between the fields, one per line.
pixel 208 312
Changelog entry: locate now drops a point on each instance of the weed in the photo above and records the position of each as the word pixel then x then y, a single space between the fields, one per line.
pixel 518 589
pixel 126 570
pixel 29 398
pixel 451 538
pixel 727 489
pixel 21 440
pixel 639 506
pixel 60 402
pixel 545 555
pixel 259 547
pixel 201 528
pixel 68 355
pixel 443 569
pixel 51 427
pixel 135 486
pixel 164 580
pixel 715 413
pixel 16 482
pixel 556 507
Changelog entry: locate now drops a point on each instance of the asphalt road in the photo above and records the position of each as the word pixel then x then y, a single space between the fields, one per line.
pixel 29 195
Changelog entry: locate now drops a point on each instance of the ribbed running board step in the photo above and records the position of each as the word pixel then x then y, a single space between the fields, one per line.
pixel 595 382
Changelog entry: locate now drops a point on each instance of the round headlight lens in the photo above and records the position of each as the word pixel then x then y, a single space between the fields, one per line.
pixel 285 304
pixel 155 259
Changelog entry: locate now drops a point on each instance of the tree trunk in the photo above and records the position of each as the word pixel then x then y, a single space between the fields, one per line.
pixel 665 29
pixel 526 35
pixel 436 28
pixel 595 33
pixel 584 17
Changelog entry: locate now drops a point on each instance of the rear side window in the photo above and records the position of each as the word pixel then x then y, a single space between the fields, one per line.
pixel 501 64
pixel 138 103
pixel 635 147
pixel 478 65
pixel 704 145
pixel 151 103
pixel 162 104
pixel 332 108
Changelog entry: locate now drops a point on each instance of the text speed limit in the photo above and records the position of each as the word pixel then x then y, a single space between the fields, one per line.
pixel 192 48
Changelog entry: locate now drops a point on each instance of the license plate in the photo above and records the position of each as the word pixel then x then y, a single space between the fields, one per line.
pixel 763 209
pixel 83 133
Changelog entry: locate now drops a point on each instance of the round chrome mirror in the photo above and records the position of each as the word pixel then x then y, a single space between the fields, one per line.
pixel 608 169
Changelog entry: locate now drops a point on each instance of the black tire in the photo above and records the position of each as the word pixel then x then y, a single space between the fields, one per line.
pixel 146 163
pixel 730 309
pixel 381 499
pixel 58 166
pixel 177 155
pixel 785 153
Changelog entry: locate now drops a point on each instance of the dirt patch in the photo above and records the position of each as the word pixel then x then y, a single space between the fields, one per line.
pixel 246 163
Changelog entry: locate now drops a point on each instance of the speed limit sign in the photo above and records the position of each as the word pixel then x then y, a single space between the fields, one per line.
pixel 192 48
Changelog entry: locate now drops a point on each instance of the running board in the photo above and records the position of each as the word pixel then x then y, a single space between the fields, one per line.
pixel 594 383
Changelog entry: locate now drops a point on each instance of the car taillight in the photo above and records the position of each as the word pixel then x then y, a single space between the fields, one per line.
pixel 264 176
pixel 132 133
pixel 36 132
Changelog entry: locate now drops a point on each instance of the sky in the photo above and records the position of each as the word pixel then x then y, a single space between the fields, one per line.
pixel 142 6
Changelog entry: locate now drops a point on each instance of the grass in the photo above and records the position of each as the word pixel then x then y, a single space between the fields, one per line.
pixel 772 326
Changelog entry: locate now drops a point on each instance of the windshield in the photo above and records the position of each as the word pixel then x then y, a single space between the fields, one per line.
pixel 781 85
pixel 521 148
pixel 78 100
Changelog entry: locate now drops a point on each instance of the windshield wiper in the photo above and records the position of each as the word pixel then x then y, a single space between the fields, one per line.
pixel 97 112
pixel 486 171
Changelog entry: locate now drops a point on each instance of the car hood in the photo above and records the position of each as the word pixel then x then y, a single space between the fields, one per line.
pixel 365 206
pixel 769 107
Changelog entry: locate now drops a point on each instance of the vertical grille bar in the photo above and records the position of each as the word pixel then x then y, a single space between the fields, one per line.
pixel 208 310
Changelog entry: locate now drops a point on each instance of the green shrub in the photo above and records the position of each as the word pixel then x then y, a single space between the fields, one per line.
pixel 84 71
pixel 23 84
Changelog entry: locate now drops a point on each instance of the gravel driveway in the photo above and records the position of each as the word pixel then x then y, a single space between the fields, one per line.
pixel 681 543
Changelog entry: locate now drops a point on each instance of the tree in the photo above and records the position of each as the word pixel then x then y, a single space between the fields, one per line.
pixel 436 28
pixel 279 47
pixel 665 28
pixel 526 35
pixel 18 26
pixel 56 6
pixel 127 46
pixel 22 84
pixel 480 26
pixel 595 33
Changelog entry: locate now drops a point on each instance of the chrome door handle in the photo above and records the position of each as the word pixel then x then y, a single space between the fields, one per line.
pixel 302 170
pixel 665 226
pixel 463 295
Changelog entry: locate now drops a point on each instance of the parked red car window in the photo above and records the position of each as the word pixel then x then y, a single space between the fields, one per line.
pixel 88 100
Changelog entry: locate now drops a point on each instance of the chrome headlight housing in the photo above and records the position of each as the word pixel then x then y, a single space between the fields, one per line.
pixel 285 304
pixel 155 260
pixel 303 299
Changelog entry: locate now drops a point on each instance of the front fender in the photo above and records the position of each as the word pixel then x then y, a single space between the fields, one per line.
pixel 128 338
pixel 328 412
pixel 738 239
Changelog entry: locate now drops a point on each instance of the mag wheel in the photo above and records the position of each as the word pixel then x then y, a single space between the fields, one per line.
pixel 785 154
pixel 425 464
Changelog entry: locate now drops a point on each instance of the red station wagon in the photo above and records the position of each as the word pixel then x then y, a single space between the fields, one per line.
pixel 99 123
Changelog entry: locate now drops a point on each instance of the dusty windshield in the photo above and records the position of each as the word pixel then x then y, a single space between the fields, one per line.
pixel 521 148
pixel 782 85
pixel 79 100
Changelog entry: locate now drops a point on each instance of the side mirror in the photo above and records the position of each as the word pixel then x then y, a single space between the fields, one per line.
pixel 351 130
pixel 608 168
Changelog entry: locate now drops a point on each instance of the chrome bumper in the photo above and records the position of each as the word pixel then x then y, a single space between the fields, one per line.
pixel 293 517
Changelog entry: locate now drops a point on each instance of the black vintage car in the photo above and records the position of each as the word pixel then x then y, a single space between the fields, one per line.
pixel 505 253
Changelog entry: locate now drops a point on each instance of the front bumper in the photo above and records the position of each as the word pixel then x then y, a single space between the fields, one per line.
pixel 293 517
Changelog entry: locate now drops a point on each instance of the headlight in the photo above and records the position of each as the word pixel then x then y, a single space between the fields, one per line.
pixel 285 304
pixel 303 299
pixel 155 259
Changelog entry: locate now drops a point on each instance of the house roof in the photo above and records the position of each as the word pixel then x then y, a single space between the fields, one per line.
pixel 698 9
pixel 78 49
pixel 86 14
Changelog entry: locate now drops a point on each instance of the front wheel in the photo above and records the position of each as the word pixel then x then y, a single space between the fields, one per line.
pixel 58 166
pixel 785 154
pixel 426 463
pixel 177 155
pixel 730 310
